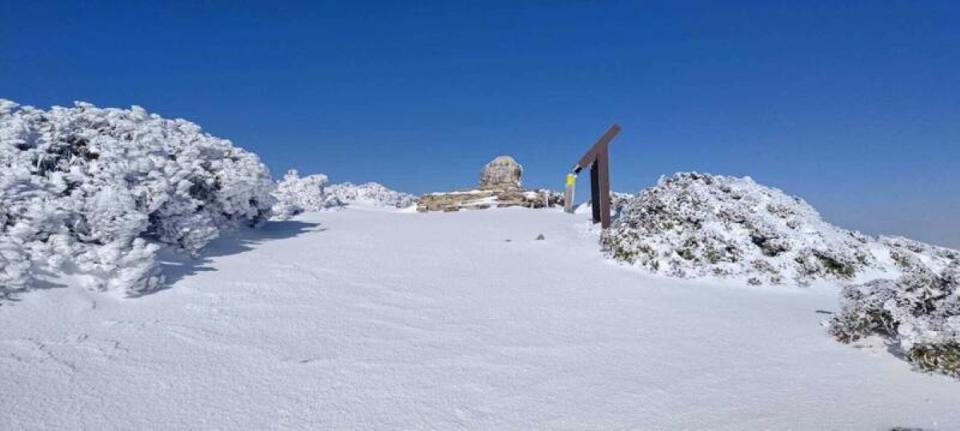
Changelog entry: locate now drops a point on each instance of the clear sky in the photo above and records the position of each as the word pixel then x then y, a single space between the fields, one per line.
pixel 855 106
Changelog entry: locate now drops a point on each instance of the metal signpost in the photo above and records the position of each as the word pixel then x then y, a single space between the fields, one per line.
pixel 598 160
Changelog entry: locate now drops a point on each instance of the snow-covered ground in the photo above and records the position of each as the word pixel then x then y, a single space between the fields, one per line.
pixel 382 319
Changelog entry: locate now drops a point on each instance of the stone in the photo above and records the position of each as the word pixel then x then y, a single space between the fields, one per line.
pixel 502 173
pixel 483 199
pixel 500 186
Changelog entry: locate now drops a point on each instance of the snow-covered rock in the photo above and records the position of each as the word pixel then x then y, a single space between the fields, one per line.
pixel 95 192
pixel 693 225
pixel 371 194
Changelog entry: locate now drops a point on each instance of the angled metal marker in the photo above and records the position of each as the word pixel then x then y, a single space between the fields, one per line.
pixel 598 159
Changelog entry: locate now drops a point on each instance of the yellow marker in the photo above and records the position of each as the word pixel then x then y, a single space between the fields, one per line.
pixel 571 178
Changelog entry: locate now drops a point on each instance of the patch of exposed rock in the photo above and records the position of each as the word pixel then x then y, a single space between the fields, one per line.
pixel 502 173
pixel 499 186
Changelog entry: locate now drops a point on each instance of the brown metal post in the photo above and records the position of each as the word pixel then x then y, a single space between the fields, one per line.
pixel 603 180
pixel 595 203
pixel 598 159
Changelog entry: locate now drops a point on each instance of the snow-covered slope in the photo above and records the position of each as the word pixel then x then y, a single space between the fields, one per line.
pixel 369 318
pixel 695 225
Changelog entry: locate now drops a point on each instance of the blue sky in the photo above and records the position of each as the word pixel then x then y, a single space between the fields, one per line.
pixel 853 106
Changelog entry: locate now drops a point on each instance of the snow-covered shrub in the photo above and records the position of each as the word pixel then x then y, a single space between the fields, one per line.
pixel 910 255
pixel 295 195
pixel 372 194
pixel 692 225
pixel 919 313
pixel 311 193
pixel 94 192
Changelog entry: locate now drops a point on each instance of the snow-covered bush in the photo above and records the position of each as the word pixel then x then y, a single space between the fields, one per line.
pixel 295 195
pixel 692 225
pixel 311 193
pixel 95 192
pixel 919 314
pixel 371 194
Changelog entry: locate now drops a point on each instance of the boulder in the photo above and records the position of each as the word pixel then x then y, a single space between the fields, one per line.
pixel 502 173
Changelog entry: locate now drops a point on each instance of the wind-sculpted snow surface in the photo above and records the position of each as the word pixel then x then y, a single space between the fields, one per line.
pixel 693 225
pixel 372 194
pixel 95 192
pixel 446 321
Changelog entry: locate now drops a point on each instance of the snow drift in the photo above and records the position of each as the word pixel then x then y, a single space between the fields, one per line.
pixel 95 192
pixel 693 225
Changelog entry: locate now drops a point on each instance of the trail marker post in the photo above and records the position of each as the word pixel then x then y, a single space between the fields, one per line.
pixel 598 159
pixel 568 192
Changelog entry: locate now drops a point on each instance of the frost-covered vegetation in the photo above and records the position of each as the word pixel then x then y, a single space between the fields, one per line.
pixel 919 314
pixel 692 225
pixel 372 194
pixel 94 193
pixel 297 194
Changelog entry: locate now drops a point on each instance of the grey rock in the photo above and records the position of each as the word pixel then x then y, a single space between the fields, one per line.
pixel 502 173
pixel 500 186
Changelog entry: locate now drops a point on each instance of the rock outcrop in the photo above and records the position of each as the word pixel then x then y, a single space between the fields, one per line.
pixel 502 173
pixel 500 186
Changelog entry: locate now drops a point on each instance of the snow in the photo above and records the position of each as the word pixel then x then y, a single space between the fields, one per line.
pixel 94 193
pixel 295 195
pixel 919 315
pixel 374 194
pixel 373 318
pixel 701 225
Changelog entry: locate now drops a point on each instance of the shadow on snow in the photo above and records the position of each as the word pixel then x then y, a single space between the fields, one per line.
pixel 176 265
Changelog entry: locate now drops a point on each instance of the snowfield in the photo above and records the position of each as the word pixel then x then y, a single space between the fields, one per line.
pixel 373 318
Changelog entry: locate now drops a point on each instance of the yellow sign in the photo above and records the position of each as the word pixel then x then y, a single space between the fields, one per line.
pixel 571 178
